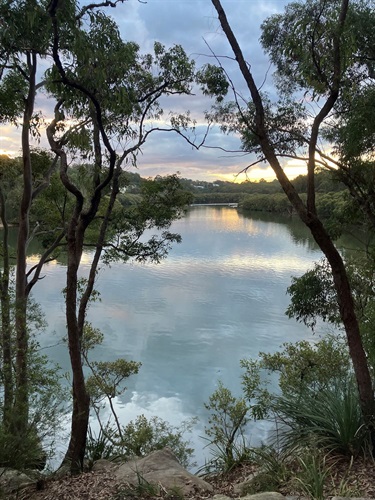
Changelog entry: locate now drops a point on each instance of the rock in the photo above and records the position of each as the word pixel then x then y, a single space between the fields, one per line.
pixel 240 488
pixel 13 480
pixel 103 465
pixel 161 468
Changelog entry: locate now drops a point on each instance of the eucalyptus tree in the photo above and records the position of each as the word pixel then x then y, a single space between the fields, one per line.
pixel 112 93
pixel 320 56
pixel 21 447
pixel 24 41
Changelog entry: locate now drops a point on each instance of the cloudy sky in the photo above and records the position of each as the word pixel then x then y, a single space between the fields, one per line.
pixel 194 25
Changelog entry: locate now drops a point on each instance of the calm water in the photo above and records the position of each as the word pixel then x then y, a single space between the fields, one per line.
pixel 220 296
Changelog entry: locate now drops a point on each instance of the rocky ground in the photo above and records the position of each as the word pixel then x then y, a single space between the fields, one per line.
pixel 104 485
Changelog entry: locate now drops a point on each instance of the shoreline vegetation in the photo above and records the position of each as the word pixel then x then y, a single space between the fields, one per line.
pixel 332 196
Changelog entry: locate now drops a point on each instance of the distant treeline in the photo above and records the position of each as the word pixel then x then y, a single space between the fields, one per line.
pixel 261 195
pixel 268 196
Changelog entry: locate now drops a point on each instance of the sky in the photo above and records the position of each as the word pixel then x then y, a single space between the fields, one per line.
pixel 194 25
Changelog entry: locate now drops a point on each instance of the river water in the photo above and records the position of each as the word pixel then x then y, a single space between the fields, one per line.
pixel 219 297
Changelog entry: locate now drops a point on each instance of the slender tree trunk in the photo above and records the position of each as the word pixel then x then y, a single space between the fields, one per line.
pixel 349 319
pixel 81 401
pixel 309 217
pixel 21 411
pixel 6 340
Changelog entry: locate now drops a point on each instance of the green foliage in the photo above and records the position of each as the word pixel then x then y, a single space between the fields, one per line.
pixel 13 89
pixel 330 419
pixel 313 475
pixel 21 451
pixel 163 200
pixel 10 173
pixel 313 297
pixel 275 203
pixel 47 403
pixel 307 365
pixel 337 210
pixel 274 470
pixel 255 388
pixel 139 438
pixel 261 483
pixel 107 378
pixel 142 436
pixel 286 124
pixel 227 421
pixel 91 338
pixel 46 398
pixel 143 489
pixel 213 80
pixel 100 446
pixel 300 42
pixel 316 477
pixel 354 135
pixel 332 207
pixel 25 28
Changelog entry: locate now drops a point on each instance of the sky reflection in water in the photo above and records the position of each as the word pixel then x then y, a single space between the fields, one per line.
pixel 219 297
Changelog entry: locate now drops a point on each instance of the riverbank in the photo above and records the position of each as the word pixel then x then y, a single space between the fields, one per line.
pixel 347 478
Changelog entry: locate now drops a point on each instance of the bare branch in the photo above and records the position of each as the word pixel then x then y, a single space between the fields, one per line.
pixel 93 6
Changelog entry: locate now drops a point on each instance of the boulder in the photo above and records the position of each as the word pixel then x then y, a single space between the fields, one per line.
pixel 161 468
pixel 12 480
pixel 103 465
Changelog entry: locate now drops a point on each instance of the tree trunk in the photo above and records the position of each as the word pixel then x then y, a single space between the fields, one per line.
pixel 349 319
pixel 6 341
pixel 21 410
pixel 81 400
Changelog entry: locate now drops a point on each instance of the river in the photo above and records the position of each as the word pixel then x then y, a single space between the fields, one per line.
pixel 220 296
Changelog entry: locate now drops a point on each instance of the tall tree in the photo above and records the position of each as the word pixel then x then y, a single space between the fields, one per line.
pixel 113 93
pixel 23 42
pixel 319 64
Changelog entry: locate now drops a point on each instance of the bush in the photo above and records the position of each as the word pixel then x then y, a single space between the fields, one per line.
pixel 225 435
pixel 21 451
pixel 313 475
pixel 142 436
pixel 100 446
pixel 139 438
pixel 306 365
pixel 329 419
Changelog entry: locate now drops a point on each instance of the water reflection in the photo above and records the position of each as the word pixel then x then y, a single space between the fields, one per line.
pixel 219 297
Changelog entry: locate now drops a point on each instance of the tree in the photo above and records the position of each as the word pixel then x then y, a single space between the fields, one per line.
pixel 313 54
pixel 23 41
pixel 112 93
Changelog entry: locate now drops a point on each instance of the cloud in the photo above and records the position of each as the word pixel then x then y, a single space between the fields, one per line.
pixel 194 25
